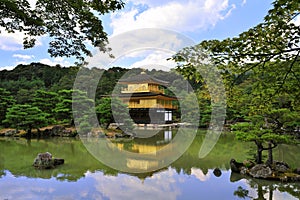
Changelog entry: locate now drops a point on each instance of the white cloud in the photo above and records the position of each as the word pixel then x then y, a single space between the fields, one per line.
pixel 13 41
pixel 7 68
pixel 55 61
pixel 297 21
pixel 155 60
pixel 52 62
pixel 32 3
pixel 148 42
pixel 244 2
pixel 23 56
pixel 151 2
pixel 182 16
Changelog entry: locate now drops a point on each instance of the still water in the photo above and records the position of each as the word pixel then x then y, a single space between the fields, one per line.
pixel 84 177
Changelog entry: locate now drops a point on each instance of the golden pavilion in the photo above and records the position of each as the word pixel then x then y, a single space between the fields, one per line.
pixel 146 99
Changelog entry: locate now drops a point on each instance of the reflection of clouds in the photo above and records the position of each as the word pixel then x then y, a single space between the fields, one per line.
pixel 34 188
pixel 279 196
pixel 162 185
pixel 276 195
pixel 159 186
pixel 199 174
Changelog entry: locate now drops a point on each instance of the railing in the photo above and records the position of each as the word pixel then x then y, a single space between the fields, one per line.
pixel 125 90
pixel 166 106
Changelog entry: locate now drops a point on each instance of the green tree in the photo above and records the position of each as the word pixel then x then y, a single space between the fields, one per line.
pixel 6 101
pixel 25 117
pixel 70 24
pixel 63 109
pixel 260 68
pixel 189 109
pixel 270 49
pixel 46 102
pixel 121 114
pixel 83 111
pixel 113 110
pixel 104 113
pixel 264 137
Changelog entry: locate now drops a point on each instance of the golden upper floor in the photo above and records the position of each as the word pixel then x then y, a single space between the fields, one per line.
pixel 143 87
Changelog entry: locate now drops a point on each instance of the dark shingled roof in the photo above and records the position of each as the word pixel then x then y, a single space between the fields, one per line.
pixel 143 78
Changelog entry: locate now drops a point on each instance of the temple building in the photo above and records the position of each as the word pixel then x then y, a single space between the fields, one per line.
pixel 146 99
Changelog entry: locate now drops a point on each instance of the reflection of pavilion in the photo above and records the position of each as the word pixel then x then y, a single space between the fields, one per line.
pixel 146 99
pixel 147 159
pixel 147 155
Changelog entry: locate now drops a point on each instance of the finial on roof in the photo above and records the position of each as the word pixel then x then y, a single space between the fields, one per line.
pixel 143 71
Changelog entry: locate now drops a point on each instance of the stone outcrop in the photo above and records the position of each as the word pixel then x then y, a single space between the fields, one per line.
pixel 260 171
pixel 45 161
pixel 297 171
pixel 236 166
pixel 8 132
pixel 276 171
pixel 59 131
pixel 281 166
pixel 50 131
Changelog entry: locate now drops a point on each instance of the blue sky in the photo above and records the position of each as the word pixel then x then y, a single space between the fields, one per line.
pixel 197 19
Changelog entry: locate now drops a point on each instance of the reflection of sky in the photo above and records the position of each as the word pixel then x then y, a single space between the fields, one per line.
pixel 34 188
pixel 163 185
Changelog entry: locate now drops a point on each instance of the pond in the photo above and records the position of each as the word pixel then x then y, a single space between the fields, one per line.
pixel 189 177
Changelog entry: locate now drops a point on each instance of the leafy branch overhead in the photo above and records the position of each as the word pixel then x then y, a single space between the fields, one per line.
pixel 71 25
pixel 269 50
pixel 261 72
pixel 276 39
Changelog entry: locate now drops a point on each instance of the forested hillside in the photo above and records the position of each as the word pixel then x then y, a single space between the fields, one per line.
pixel 36 95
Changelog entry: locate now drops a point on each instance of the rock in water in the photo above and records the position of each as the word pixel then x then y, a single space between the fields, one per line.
pixel 45 161
pixel 281 166
pixel 235 166
pixel 217 172
pixel 260 171
pixel 58 161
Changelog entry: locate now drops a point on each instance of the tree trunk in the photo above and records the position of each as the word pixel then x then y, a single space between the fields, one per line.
pixel 260 193
pixel 259 152
pixel 271 189
pixel 271 146
pixel 28 134
pixel 270 153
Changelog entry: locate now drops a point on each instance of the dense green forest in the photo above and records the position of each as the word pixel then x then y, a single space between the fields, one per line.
pixel 37 95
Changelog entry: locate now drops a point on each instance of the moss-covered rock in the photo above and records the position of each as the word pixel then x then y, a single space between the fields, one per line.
pixel 45 161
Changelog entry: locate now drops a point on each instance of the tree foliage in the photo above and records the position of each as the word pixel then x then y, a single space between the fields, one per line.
pixel 50 89
pixel 70 24
pixel 261 73
pixel 46 102
pixel 6 101
pixel 113 110
pixel 25 117
pixel 271 46
pixel 63 109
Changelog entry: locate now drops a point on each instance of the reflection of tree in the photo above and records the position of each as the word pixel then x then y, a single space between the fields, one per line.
pixel 291 188
pixel 2 173
pixel 241 192
pixel 264 187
